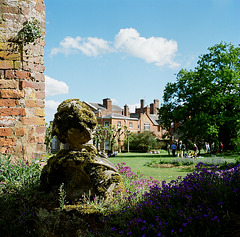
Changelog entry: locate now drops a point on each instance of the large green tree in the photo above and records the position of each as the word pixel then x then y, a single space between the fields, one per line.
pixel 205 102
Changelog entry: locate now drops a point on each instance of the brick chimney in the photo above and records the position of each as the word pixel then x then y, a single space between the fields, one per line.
pixel 152 108
pixel 142 103
pixel 156 106
pixel 108 104
pixel 126 111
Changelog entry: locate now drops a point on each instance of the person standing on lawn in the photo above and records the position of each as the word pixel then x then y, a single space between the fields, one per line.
pixel 174 147
pixel 180 149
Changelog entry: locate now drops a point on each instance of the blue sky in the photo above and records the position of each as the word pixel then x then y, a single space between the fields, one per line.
pixel 128 50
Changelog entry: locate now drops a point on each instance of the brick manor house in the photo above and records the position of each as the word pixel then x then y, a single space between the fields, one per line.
pixel 145 118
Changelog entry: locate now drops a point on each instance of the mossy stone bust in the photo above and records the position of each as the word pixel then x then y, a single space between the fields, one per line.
pixel 81 168
pixel 74 123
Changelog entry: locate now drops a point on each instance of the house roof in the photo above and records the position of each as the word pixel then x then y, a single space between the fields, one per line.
pixel 134 115
pixel 98 106
pixel 154 118
pixel 117 116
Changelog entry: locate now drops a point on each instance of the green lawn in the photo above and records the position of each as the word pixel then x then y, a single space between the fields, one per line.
pixel 137 160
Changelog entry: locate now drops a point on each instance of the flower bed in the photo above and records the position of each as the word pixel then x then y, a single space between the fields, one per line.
pixel 195 205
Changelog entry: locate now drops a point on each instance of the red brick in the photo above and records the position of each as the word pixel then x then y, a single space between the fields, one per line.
pixel 40 7
pixel 12 10
pixel 19 131
pixel 14 94
pixel 35 103
pixel 30 84
pixel 31 103
pixel 39 112
pixel 33 121
pixel 22 75
pixel 40 130
pixel 40 68
pixel 6 64
pixel 8 84
pixel 7 141
pixel 36 139
pixel 7 150
pixel 7 103
pixel 10 74
pixel 39 77
pixel 12 112
pixel 40 1
pixel 41 103
pixel 5 132
pixel 6 122
pixel 40 95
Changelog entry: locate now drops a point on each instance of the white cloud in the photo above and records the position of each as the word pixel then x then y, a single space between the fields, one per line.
pixel 132 107
pixel 51 109
pixel 114 101
pixel 55 87
pixel 157 50
pixel 52 104
pixel 94 47
pixel 89 46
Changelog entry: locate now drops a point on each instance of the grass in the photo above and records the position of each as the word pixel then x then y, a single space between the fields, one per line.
pixel 137 163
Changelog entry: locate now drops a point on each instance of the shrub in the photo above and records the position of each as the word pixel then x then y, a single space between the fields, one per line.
pixel 18 174
pixel 144 142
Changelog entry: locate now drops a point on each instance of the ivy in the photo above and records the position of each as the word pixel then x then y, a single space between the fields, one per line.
pixel 30 32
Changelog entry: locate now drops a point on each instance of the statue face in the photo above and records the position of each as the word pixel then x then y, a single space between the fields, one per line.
pixel 74 123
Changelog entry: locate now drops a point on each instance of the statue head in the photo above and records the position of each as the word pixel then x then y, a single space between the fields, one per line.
pixel 74 123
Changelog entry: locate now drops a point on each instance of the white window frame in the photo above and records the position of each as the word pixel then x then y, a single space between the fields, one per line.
pixel 146 126
pixel 130 125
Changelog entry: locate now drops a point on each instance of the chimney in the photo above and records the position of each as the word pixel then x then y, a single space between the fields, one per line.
pixel 126 111
pixel 108 104
pixel 142 103
pixel 152 108
pixel 156 106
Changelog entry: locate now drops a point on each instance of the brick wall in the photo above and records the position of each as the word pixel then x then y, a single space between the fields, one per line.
pixel 22 81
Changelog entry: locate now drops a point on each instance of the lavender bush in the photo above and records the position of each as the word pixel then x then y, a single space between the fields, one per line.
pixel 191 206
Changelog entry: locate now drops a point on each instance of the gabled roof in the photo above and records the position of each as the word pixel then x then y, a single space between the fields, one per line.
pixel 118 116
pixel 154 118
pixel 98 106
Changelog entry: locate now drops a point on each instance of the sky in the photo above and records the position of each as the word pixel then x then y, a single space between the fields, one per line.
pixel 128 50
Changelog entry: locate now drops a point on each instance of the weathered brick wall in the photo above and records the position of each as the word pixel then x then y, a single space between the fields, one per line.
pixel 22 82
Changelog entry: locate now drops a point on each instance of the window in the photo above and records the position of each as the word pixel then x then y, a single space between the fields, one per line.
pixel 106 123
pixel 119 124
pixel 147 126
pixel 130 125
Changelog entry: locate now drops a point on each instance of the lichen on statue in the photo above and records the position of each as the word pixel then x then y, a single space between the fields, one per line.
pixel 74 123
pixel 81 168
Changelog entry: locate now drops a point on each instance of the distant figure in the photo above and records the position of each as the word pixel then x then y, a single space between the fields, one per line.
pixel 174 147
pixel 195 149
pixel 207 147
pixel 221 147
pixel 180 149
pixel 168 148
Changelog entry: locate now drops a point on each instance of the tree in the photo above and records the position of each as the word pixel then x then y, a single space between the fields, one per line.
pixel 206 102
pixel 127 138
pixel 143 142
pixel 101 135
